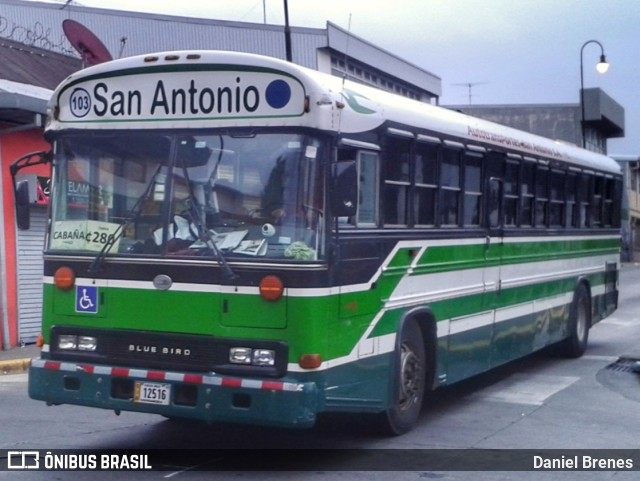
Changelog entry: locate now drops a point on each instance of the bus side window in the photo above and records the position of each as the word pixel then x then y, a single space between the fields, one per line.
pixel 472 177
pixel 396 181
pixel 557 194
pixel 614 196
pixel 345 156
pixel 542 196
pixel 367 186
pixel 450 187
pixel 597 201
pixel 527 193
pixel 367 189
pixel 495 167
pixel 571 211
pixel 511 188
pixel 426 184
pixel 584 192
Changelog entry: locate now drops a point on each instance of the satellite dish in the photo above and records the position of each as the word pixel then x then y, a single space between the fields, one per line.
pixel 90 48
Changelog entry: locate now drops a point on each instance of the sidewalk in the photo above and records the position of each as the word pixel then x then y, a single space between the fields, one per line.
pixel 17 360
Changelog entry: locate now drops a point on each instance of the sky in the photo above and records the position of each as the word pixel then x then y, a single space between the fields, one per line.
pixel 510 51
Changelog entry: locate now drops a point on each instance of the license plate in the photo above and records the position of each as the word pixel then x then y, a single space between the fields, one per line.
pixel 152 393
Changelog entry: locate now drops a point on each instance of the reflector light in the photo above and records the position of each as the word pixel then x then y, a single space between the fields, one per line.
pixel 271 288
pixel 64 278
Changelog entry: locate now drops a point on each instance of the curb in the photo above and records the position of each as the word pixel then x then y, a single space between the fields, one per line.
pixel 15 366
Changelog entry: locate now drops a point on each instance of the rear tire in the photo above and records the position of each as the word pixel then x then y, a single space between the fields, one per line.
pixel 408 383
pixel 579 324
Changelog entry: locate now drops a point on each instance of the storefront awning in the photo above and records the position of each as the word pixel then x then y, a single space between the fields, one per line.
pixel 19 102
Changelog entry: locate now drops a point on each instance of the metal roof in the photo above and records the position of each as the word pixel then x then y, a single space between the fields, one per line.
pixel 34 66
pixel 27 77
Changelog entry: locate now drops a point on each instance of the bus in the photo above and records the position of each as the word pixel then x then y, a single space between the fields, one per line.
pixel 235 238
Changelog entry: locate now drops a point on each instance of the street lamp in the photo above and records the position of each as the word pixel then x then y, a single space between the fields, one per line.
pixel 602 66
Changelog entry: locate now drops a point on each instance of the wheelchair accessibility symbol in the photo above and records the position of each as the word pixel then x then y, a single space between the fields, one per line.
pixel 87 299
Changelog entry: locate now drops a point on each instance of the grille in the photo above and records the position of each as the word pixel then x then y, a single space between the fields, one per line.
pixel 193 353
pixel 179 352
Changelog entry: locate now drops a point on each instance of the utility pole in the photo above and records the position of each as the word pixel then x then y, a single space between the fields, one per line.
pixel 287 31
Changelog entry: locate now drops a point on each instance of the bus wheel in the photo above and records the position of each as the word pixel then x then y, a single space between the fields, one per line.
pixel 579 324
pixel 408 383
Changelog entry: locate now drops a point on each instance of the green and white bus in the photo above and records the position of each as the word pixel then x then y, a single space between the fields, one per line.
pixel 234 238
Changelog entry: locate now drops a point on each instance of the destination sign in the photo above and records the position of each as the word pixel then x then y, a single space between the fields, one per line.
pixel 182 96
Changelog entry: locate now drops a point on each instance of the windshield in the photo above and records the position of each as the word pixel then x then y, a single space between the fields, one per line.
pixel 249 196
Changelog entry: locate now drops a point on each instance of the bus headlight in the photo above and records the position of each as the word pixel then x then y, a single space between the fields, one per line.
pixel 87 343
pixel 72 342
pixel 255 357
pixel 67 342
pixel 263 357
pixel 240 355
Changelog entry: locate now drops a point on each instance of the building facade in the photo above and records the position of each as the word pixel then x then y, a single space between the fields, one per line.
pixel 631 206
pixel 603 119
pixel 26 79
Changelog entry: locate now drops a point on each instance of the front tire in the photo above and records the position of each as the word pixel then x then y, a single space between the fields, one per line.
pixel 409 380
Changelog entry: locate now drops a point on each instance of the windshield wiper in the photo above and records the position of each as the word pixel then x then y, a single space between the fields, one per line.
pixel 204 234
pixel 95 266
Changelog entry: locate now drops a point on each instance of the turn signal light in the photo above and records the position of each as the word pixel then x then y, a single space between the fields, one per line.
pixel 310 361
pixel 64 278
pixel 271 288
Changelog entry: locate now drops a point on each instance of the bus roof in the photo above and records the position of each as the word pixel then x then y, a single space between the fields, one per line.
pixel 175 90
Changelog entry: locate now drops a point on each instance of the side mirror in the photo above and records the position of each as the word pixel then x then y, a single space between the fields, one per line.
pixel 23 214
pixel 345 189
pixel 21 188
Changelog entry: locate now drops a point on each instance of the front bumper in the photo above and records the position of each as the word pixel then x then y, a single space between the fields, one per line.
pixel 206 397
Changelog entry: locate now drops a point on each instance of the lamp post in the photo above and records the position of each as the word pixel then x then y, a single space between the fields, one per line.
pixel 602 66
